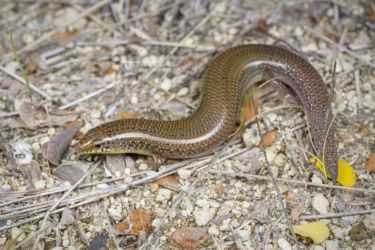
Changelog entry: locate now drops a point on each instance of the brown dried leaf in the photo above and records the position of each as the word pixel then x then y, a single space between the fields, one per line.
pixel 14 122
pixel 331 36
pixel 33 174
pixel 121 114
pixel 74 123
pixel 59 143
pixel 139 220
pixel 296 212
pixel 11 86
pixel 190 237
pixel 268 139
pixel 36 117
pixel 220 189
pixel 248 111
pixel 262 26
pixel 33 117
pixel 169 181
pixel 370 165
pixel 64 37
pixel 99 68
pixel 70 171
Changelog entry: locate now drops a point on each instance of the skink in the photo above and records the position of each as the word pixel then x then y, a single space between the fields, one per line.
pixel 228 76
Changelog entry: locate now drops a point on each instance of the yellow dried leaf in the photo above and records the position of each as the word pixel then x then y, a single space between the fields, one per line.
pixel 346 175
pixel 316 231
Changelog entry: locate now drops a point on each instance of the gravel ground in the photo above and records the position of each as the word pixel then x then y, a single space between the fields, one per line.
pixel 73 65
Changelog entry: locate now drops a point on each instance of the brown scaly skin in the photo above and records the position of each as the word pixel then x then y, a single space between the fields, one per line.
pixel 218 113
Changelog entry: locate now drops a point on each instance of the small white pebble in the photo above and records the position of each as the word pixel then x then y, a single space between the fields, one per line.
pixel 163 195
pixel 280 160
pixel 202 203
pixel 369 221
pixel 250 138
pixel 338 232
pixel 28 38
pixel 156 222
pixel 320 203
pixel 183 92
pixel 284 244
pixel 2 241
pixel 115 212
pixel 95 114
pixel 244 235
pixel 203 215
pixel 39 184
pixel 275 171
pixel 166 84
pixel 184 173
pixel 143 166
pixel 212 230
pixel 316 179
pixel 332 245
pixel 316 247
pixel 134 99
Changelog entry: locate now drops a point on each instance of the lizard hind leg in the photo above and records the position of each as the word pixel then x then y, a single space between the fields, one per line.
pixel 280 83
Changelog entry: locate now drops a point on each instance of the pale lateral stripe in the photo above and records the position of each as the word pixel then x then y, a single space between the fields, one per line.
pixel 140 135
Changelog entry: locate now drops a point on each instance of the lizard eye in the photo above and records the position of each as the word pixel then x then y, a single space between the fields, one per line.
pixel 97 146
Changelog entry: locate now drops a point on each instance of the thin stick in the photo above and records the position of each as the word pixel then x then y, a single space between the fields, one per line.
pixel 278 195
pixel 294 182
pixel 20 79
pixel 358 89
pixel 336 215
pixel 58 29
pixel 316 34
pixel 86 97
pixel 48 213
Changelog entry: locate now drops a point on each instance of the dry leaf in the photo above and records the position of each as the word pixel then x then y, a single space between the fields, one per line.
pixel 268 139
pixel 54 150
pixel 70 171
pixel 359 232
pixel 36 117
pixel 64 37
pixel 250 109
pixel 220 189
pixel 67 217
pixel 169 181
pixel 316 231
pixel 121 114
pixel 346 175
pixel 190 237
pixel 74 123
pixel 33 117
pixel 370 165
pixel 11 87
pixel 138 220
pixel 296 211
